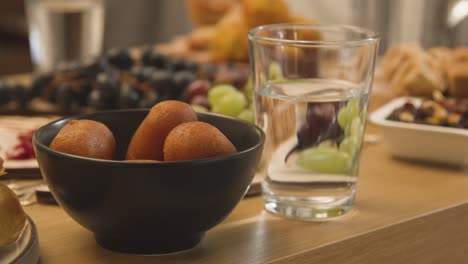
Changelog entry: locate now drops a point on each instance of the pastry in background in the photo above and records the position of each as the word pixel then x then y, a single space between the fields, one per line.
pixel 458 79
pixel 444 57
pixel 12 216
pixel 227 40
pixel 410 70
pixel 208 12
pixel 395 55
pixel 264 12
pixel 460 55
pixel 200 38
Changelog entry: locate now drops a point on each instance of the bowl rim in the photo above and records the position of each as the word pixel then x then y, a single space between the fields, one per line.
pixel 379 117
pixel 42 146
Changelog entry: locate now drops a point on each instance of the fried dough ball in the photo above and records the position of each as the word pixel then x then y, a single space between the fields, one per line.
pixel 196 140
pixel 148 141
pixel 86 138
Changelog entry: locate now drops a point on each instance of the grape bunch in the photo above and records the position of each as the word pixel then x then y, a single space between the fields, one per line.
pixel 121 79
pixel 331 137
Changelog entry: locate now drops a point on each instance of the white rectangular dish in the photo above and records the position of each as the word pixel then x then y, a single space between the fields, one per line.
pixel 421 142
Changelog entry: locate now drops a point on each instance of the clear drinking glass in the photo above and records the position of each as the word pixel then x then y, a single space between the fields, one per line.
pixel 64 31
pixel 311 92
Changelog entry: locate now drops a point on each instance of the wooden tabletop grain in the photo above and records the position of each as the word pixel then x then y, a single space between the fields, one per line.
pixel 405 212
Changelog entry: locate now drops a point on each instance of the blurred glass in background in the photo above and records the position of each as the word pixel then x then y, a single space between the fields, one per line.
pixel 64 31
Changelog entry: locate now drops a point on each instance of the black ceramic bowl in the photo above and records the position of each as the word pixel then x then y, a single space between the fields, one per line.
pixel 149 208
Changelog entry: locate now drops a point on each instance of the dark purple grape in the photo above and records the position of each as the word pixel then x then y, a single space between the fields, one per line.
pixel 149 99
pixel 142 74
pixel 65 97
pixel 207 71
pixel 307 136
pixel 129 96
pixel 120 58
pixel 91 68
pixel 83 92
pixel 197 87
pixel 155 59
pixel 201 100
pixel 4 94
pixel 146 54
pixel 178 64
pixel 40 82
pixel 18 93
pixel 240 78
pixel 161 81
pixel 321 114
pixel 191 66
pixel 105 93
pixel 332 132
pixel 180 82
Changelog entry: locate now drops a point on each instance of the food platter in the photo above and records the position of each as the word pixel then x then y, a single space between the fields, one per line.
pixel 26 249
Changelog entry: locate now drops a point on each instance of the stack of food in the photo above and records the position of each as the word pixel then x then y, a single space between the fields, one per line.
pixel 411 70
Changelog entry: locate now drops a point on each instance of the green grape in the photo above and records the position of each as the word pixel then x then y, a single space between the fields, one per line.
pixel 327 144
pixel 275 73
pixel 247 115
pixel 364 113
pixel 217 92
pixel 248 89
pixel 349 145
pixel 324 160
pixel 199 108
pixel 353 108
pixel 343 118
pixel 355 128
pixel 230 104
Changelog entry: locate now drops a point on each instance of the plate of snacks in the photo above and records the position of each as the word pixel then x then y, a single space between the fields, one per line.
pixel 18 234
pixel 432 130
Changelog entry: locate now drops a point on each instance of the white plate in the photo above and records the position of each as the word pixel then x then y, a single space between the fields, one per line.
pixel 25 250
pixel 421 142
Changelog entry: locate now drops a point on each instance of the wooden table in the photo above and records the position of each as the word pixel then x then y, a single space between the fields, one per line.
pixel 405 213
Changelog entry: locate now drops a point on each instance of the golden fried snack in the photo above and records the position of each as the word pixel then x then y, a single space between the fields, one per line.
pixel 230 38
pixel 196 140
pixel 208 12
pixel 200 38
pixel 264 12
pixel 148 141
pixel 86 138
pixel 12 216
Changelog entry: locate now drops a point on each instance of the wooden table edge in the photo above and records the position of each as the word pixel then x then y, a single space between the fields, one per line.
pixel 427 236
